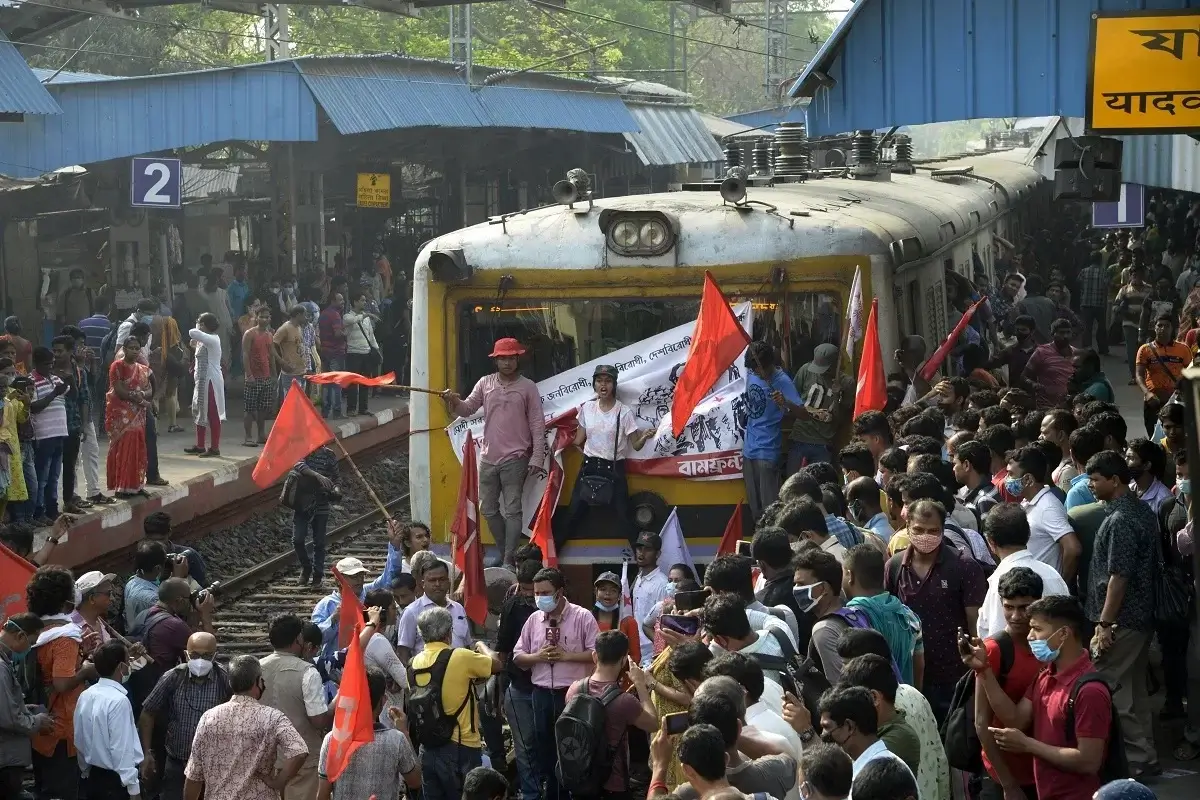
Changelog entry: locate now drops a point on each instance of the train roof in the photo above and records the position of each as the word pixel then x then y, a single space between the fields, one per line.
pixel 909 217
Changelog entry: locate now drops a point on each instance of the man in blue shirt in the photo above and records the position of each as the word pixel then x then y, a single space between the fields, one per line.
pixel 770 397
pixel 97 326
pixel 325 613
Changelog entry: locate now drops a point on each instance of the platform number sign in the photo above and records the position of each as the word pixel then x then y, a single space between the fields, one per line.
pixel 156 183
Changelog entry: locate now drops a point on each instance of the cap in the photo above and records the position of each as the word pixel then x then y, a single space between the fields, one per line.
pixel 507 347
pixel 90 580
pixel 1124 789
pixel 648 539
pixel 823 358
pixel 604 369
pixel 608 577
pixel 350 566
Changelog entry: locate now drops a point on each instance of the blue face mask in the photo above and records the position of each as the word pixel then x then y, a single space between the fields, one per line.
pixel 147 318
pixel 1042 651
pixel 606 607
pixel 1184 486
pixel 546 603
pixel 1014 486
pixel 671 589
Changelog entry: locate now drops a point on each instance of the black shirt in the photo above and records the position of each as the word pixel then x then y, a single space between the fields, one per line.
pixel 516 610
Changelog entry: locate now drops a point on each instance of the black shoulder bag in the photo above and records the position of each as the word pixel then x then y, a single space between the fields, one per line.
pixel 597 487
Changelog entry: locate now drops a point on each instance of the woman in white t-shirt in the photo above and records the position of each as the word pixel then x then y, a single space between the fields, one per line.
pixel 380 608
pixel 607 431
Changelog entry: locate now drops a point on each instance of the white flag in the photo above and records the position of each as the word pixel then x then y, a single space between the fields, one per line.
pixel 854 315
pixel 626 594
pixel 674 546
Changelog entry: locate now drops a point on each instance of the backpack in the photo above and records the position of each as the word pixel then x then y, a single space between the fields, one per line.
pixel 955 533
pixel 28 673
pixel 585 760
pixel 428 722
pixel 802 676
pixel 1115 765
pixel 963 749
pixel 108 347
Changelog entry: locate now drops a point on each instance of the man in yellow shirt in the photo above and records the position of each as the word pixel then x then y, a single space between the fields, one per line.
pixel 446 759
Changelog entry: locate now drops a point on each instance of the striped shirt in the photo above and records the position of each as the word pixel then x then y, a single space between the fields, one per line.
pixel 95 328
pixel 51 421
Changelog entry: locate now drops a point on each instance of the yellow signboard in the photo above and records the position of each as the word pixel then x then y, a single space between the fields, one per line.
pixel 374 190
pixel 1144 75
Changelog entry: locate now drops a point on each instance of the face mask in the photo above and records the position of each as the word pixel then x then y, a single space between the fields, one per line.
pixel 199 667
pixel 856 510
pixel 275 289
pixel 147 318
pixel 1014 486
pixel 671 589
pixel 1041 650
pixel 607 607
pixel 546 603
pixel 925 543
pixel 1184 486
pixel 78 597
pixel 803 595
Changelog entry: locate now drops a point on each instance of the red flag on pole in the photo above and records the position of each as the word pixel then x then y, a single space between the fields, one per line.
pixel 564 427
pixel 15 573
pixel 733 532
pixel 346 379
pixel 717 340
pixel 931 366
pixel 350 612
pixel 298 430
pixel 468 549
pixel 353 723
pixel 872 388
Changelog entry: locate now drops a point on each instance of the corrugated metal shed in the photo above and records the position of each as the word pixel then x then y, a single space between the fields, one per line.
pixel 200 183
pixel 909 62
pixel 767 118
pixel 386 93
pixel 20 90
pixel 111 118
pixel 671 135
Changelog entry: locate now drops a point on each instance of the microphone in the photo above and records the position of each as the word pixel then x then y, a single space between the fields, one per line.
pixel 552 632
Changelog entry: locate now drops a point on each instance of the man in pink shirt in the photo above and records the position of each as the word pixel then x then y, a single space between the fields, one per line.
pixel 514 442
pixel 556 645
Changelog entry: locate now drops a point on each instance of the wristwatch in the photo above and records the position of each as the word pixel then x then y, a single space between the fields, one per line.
pixel 1106 625
pixel 808 736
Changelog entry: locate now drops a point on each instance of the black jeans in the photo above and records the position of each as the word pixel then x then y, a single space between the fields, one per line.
pixel 1173 639
pixel 70 461
pixel 11 779
pixel 566 524
pixel 301 523
pixel 356 396
pixel 56 777
pixel 104 784
pixel 151 447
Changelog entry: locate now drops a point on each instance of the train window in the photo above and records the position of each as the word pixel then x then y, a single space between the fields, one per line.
pixel 561 334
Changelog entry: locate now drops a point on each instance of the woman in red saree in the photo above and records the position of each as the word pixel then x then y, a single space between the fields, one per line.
pixel 128 400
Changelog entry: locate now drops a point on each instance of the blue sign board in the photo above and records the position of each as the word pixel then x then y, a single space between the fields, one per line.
pixel 156 183
pixel 1128 212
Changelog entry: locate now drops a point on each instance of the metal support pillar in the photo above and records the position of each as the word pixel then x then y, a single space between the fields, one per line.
pixel 276 39
pixel 776 13
pixel 460 37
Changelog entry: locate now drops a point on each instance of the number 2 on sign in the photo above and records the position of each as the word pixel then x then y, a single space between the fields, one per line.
pixel 154 194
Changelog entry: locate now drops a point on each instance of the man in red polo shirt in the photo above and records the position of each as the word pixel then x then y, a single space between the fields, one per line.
pixel 1066 763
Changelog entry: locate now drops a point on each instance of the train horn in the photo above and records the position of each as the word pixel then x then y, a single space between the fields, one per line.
pixel 733 188
pixel 575 188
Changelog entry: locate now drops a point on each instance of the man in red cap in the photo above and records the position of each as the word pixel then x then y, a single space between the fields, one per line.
pixel 514 441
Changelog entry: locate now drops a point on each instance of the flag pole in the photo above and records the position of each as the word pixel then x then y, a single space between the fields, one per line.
pixel 387 514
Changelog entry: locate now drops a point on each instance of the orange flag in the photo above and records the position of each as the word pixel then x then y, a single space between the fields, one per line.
pixel 717 340
pixel 298 430
pixel 350 612
pixel 346 379
pixel 15 573
pixel 468 549
pixel 872 389
pixel 353 722
pixel 939 355
pixel 733 532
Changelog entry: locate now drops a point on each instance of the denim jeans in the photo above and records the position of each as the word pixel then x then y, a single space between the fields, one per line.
pixel 800 454
pixel 331 393
pixel 22 511
pixel 443 769
pixel 48 458
pixel 518 707
pixel 547 706
pixel 301 523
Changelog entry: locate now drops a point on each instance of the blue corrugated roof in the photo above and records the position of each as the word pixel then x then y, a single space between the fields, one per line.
pixel 909 62
pixel 385 93
pixel 672 134
pixel 20 91
pixel 769 117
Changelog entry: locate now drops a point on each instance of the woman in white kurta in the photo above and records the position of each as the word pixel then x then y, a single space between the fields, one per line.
pixel 208 398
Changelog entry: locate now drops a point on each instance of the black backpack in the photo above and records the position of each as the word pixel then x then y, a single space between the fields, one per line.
pixel 802 676
pixel 963 749
pixel 428 722
pixel 28 673
pixel 1115 765
pixel 585 760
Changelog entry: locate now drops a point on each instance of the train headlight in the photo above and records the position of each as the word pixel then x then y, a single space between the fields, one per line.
pixel 640 233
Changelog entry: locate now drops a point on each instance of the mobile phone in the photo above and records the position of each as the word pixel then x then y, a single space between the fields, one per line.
pixel 686 601
pixel 744 548
pixel 677 623
pixel 676 723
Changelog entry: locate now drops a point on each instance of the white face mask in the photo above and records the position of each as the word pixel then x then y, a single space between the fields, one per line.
pixel 199 667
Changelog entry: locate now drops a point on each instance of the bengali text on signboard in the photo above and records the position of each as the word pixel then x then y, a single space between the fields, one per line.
pixel 374 190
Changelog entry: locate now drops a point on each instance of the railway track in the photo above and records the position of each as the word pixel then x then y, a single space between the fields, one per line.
pixel 248 600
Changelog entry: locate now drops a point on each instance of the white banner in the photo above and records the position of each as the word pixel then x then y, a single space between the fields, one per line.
pixel 711 445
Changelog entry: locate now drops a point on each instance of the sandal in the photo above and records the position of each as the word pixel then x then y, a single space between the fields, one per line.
pixel 249 443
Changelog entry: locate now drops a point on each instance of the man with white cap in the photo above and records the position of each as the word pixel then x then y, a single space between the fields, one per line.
pixel 325 613
pixel 514 442
pixel 813 434
pixel 94 590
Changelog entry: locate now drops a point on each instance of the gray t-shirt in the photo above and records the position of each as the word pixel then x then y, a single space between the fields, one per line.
pixel 771 775
pixel 375 769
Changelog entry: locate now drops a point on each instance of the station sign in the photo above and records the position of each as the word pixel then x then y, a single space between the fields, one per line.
pixel 1127 212
pixel 374 190
pixel 1144 72
pixel 156 183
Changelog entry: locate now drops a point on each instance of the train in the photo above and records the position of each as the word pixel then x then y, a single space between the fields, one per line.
pixel 586 276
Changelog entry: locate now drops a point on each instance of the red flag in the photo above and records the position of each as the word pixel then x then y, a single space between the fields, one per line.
pixel 468 549
pixel 15 573
pixel 717 340
pixel 353 722
pixel 564 427
pixel 733 532
pixel 931 366
pixel 350 612
pixel 345 379
pixel 298 430
pixel 872 389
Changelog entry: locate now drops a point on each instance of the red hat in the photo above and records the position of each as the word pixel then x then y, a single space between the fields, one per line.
pixel 507 347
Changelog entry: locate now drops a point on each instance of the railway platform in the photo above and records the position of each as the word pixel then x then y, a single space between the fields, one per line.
pixel 200 486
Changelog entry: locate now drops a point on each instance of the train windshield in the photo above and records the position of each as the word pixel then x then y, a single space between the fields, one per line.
pixel 561 334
